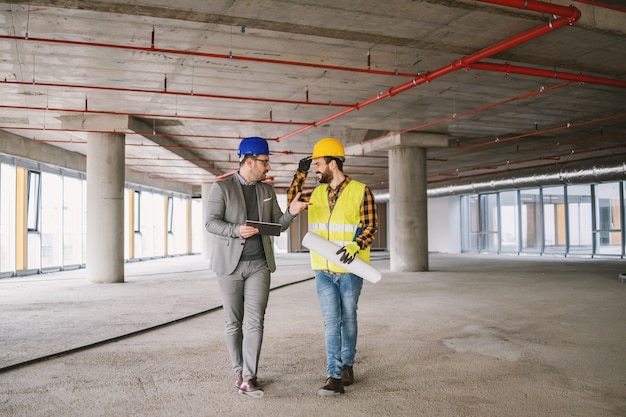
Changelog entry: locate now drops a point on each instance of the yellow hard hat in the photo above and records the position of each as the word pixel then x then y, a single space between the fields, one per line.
pixel 328 147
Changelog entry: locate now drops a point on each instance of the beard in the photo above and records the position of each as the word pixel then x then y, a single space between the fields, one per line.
pixel 325 177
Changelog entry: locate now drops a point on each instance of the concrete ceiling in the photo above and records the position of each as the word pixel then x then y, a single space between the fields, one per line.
pixel 194 77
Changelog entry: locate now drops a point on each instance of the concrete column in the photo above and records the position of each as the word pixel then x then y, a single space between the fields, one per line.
pixel 408 205
pixel 207 238
pixel 408 220
pixel 105 194
pixel 105 208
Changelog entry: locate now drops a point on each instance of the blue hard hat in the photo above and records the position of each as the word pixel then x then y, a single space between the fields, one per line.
pixel 253 145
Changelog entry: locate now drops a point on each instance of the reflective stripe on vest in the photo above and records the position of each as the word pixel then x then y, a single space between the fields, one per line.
pixel 340 226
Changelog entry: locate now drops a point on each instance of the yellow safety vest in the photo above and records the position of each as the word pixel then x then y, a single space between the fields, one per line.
pixel 340 226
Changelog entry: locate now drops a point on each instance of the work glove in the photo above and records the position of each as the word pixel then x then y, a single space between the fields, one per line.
pixel 349 252
pixel 304 164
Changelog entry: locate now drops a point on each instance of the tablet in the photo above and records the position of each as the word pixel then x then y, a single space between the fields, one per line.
pixel 265 228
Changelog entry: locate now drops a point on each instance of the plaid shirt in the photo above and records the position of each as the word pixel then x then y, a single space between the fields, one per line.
pixel 369 216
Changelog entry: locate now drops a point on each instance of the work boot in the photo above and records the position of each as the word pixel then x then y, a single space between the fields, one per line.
pixel 333 386
pixel 347 375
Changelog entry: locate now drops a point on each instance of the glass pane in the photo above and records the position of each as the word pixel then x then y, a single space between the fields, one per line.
pixel 72 229
pixel 530 218
pixel 555 235
pixel 152 215
pixel 170 214
pixel 126 224
pixel 83 183
pixel 158 216
pixel 177 244
pixel 579 219
pixel 197 225
pixel 474 222
pixel 604 248
pixel 51 220
pixel 608 219
pixel 33 256
pixel 7 217
pixel 145 221
pixel 137 213
pixel 489 222
pixel 509 211
pixel 33 200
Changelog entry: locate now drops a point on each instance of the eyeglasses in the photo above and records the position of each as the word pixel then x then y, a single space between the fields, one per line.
pixel 265 162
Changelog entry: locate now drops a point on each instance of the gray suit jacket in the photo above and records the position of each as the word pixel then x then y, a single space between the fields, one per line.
pixel 226 211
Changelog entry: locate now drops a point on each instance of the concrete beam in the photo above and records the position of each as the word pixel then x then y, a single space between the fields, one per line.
pixel 26 148
pixel 596 17
pixel 21 147
pixel 111 123
pixel 410 139
pixel 137 125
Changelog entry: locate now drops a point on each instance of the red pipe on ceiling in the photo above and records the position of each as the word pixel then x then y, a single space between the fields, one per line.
pixel 569 16
pixel 507 68
pixel 522 4
pixel 494 67
pixel 205 55
pixel 596 138
pixel 116 132
pixel 484 66
pixel 537 132
pixel 175 93
pixel 513 69
pixel 150 115
pixel 472 111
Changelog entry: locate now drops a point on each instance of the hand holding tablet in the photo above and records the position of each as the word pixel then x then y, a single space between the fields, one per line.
pixel 265 228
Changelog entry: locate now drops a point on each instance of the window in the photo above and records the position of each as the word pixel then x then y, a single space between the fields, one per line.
pixel 530 216
pixel 51 224
pixel 579 219
pixel 72 229
pixel 137 213
pixel 7 218
pixel 34 193
pixel 509 209
pixel 489 222
pixel 608 219
pixel 197 225
pixel 481 213
pixel 554 220
pixel 170 215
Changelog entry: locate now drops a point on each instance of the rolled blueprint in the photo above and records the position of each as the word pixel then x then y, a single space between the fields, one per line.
pixel 329 250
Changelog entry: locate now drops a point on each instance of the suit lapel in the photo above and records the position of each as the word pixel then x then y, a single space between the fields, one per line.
pixel 240 199
pixel 259 199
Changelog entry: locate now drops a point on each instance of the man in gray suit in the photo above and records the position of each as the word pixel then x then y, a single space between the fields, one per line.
pixel 243 258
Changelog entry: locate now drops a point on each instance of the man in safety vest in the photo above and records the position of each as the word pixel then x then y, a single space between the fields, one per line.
pixel 342 211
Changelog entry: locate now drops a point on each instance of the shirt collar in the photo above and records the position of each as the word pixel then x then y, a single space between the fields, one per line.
pixel 340 187
pixel 242 181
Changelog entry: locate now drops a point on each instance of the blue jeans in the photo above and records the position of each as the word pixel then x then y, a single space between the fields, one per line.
pixel 338 295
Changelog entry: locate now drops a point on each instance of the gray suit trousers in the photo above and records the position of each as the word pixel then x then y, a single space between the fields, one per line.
pixel 245 293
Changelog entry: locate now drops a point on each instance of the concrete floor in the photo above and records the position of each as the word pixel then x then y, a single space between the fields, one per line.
pixel 474 336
